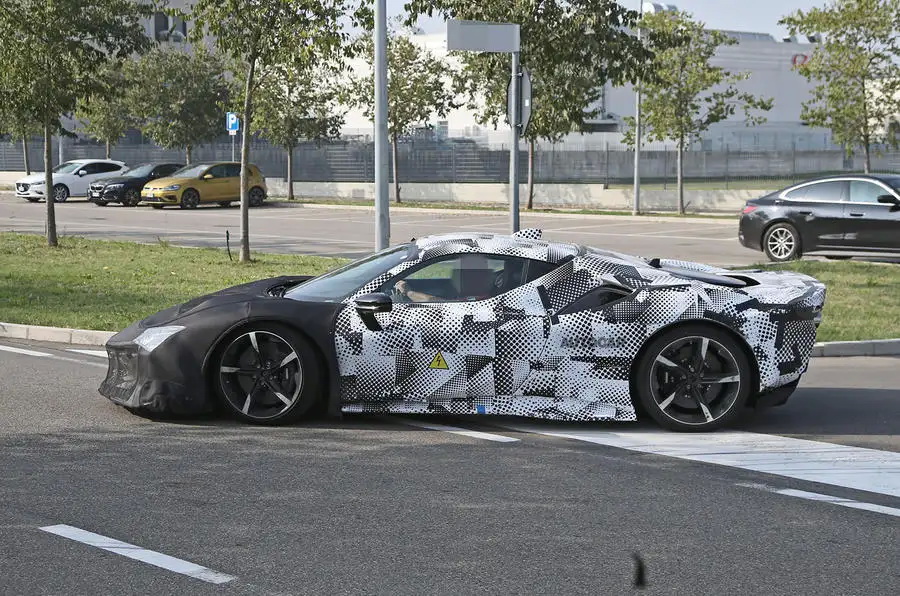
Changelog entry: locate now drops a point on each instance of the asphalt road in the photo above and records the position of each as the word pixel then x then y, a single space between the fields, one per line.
pixel 369 505
pixel 279 227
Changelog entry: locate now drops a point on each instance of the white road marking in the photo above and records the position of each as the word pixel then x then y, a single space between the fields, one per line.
pixel 858 468
pixel 24 351
pixel 97 353
pixel 140 554
pixel 456 430
pixel 802 494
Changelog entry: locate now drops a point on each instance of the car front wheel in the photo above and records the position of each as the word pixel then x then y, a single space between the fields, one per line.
pixel 693 378
pixel 60 193
pixel 190 199
pixel 781 243
pixel 132 198
pixel 266 374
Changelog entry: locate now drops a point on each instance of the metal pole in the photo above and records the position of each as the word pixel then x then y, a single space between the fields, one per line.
pixel 636 208
pixel 382 200
pixel 59 145
pixel 515 116
pixel 232 147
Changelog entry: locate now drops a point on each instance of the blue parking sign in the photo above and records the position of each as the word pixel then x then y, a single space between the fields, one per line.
pixel 232 122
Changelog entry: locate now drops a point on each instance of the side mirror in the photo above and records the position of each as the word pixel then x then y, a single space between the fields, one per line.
pixel 369 304
pixel 80 173
pixel 889 200
pixel 206 177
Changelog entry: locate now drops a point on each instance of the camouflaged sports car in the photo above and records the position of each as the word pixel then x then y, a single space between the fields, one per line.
pixel 480 324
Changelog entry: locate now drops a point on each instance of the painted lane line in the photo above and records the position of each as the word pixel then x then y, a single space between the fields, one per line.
pixel 140 554
pixel 802 494
pixel 97 353
pixel 456 430
pixel 858 468
pixel 24 352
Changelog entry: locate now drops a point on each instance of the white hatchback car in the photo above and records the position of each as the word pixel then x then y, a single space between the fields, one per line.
pixel 70 179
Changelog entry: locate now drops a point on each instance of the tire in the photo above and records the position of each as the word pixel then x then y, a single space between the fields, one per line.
pixel 669 378
pixel 190 199
pixel 131 198
pixel 225 204
pixel 781 243
pixel 257 196
pixel 157 206
pixel 60 193
pixel 265 374
pixel 101 203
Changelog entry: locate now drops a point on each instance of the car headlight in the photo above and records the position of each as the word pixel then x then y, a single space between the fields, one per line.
pixel 152 337
pixel 172 187
pixel 33 184
pixel 115 186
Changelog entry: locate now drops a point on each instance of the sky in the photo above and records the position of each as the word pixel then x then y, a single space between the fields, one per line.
pixel 742 15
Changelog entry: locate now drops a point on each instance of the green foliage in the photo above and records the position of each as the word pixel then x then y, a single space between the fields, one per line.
pixel 105 114
pixel 178 97
pixel 856 70
pixel 683 94
pixel 418 85
pixel 571 47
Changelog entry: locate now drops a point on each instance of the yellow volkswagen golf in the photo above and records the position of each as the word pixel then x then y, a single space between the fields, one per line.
pixel 204 183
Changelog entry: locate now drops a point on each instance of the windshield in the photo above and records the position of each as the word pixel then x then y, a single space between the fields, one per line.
pixel 67 168
pixel 190 171
pixel 139 171
pixel 340 283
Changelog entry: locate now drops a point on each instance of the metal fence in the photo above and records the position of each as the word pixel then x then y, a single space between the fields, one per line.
pixel 450 160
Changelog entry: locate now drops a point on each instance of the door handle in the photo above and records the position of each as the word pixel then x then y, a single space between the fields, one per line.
pixel 805 212
pixel 857 214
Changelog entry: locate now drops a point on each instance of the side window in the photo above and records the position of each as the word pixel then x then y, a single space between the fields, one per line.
pixel 463 278
pixel 219 171
pixel 164 170
pixel 826 191
pixel 107 167
pixel 232 170
pixel 797 193
pixel 90 168
pixel 865 192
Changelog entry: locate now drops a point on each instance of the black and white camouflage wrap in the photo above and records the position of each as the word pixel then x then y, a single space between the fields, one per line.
pixel 513 354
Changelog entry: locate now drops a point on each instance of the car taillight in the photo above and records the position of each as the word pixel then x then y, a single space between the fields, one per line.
pixel 749 209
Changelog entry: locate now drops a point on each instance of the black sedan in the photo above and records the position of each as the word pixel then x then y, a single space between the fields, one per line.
pixel 837 216
pixel 126 188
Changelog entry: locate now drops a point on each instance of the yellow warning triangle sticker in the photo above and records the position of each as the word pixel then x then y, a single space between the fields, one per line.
pixel 438 362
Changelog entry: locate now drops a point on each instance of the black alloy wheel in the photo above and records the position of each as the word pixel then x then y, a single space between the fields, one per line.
pixel 257 196
pixel 60 193
pixel 131 198
pixel 781 243
pixel 266 374
pixel 190 199
pixel 694 378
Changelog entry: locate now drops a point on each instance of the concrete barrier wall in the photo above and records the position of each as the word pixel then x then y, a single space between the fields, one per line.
pixel 546 195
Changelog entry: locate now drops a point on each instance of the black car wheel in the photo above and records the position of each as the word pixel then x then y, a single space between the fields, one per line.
pixel 224 203
pixel 257 196
pixel 60 193
pixel 693 378
pixel 266 374
pixel 781 242
pixel 132 198
pixel 190 199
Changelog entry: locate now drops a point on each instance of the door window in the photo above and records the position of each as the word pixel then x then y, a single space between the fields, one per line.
pixel 233 170
pixel 832 191
pixel 103 168
pixel 219 171
pixel 165 170
pixel 862 191
pixel 465 277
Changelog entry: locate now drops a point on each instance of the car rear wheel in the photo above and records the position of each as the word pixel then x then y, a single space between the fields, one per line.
pixel 190 199
pixel 266 374
pixel 694 378
pixel 60 193
pixel 781 243
pixel 257 196
pixel 132 198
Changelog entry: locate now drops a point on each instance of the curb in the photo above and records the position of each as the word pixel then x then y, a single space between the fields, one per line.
pixel 84 337
pixel 88 337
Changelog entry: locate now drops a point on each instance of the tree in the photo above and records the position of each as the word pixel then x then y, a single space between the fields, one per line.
pixel 418 90
pixel 856 68
pixel 18 127
pixel 265 34
pixel 178 97
pixel 50 51
pixel 572 49
pixel 684 95
pixel 104 114
pixel 298 103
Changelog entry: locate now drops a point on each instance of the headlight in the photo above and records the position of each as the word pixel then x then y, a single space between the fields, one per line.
pixel 152 337
pixel 115 186
pixel 33 184
pixel 173 187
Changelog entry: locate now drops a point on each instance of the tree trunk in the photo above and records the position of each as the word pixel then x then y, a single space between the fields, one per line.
pixel 245 159
pixel 290 173
pixel 530 205
pixel 48 185
pixel 868 164
pixel 396 167
pixel 108 146
pixel 187 154
pixel 25 155
pixel 680 175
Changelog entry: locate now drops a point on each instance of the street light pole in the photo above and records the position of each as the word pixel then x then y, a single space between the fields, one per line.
pixel 515 117
pixel 636 208
pixel 382 200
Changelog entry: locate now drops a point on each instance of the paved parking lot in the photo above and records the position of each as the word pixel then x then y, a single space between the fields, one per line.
pixel 280 227
pixel 383 505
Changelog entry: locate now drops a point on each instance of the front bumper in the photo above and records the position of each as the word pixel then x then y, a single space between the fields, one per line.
pixel 30 193
pixel 110 196
pixel 160 196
